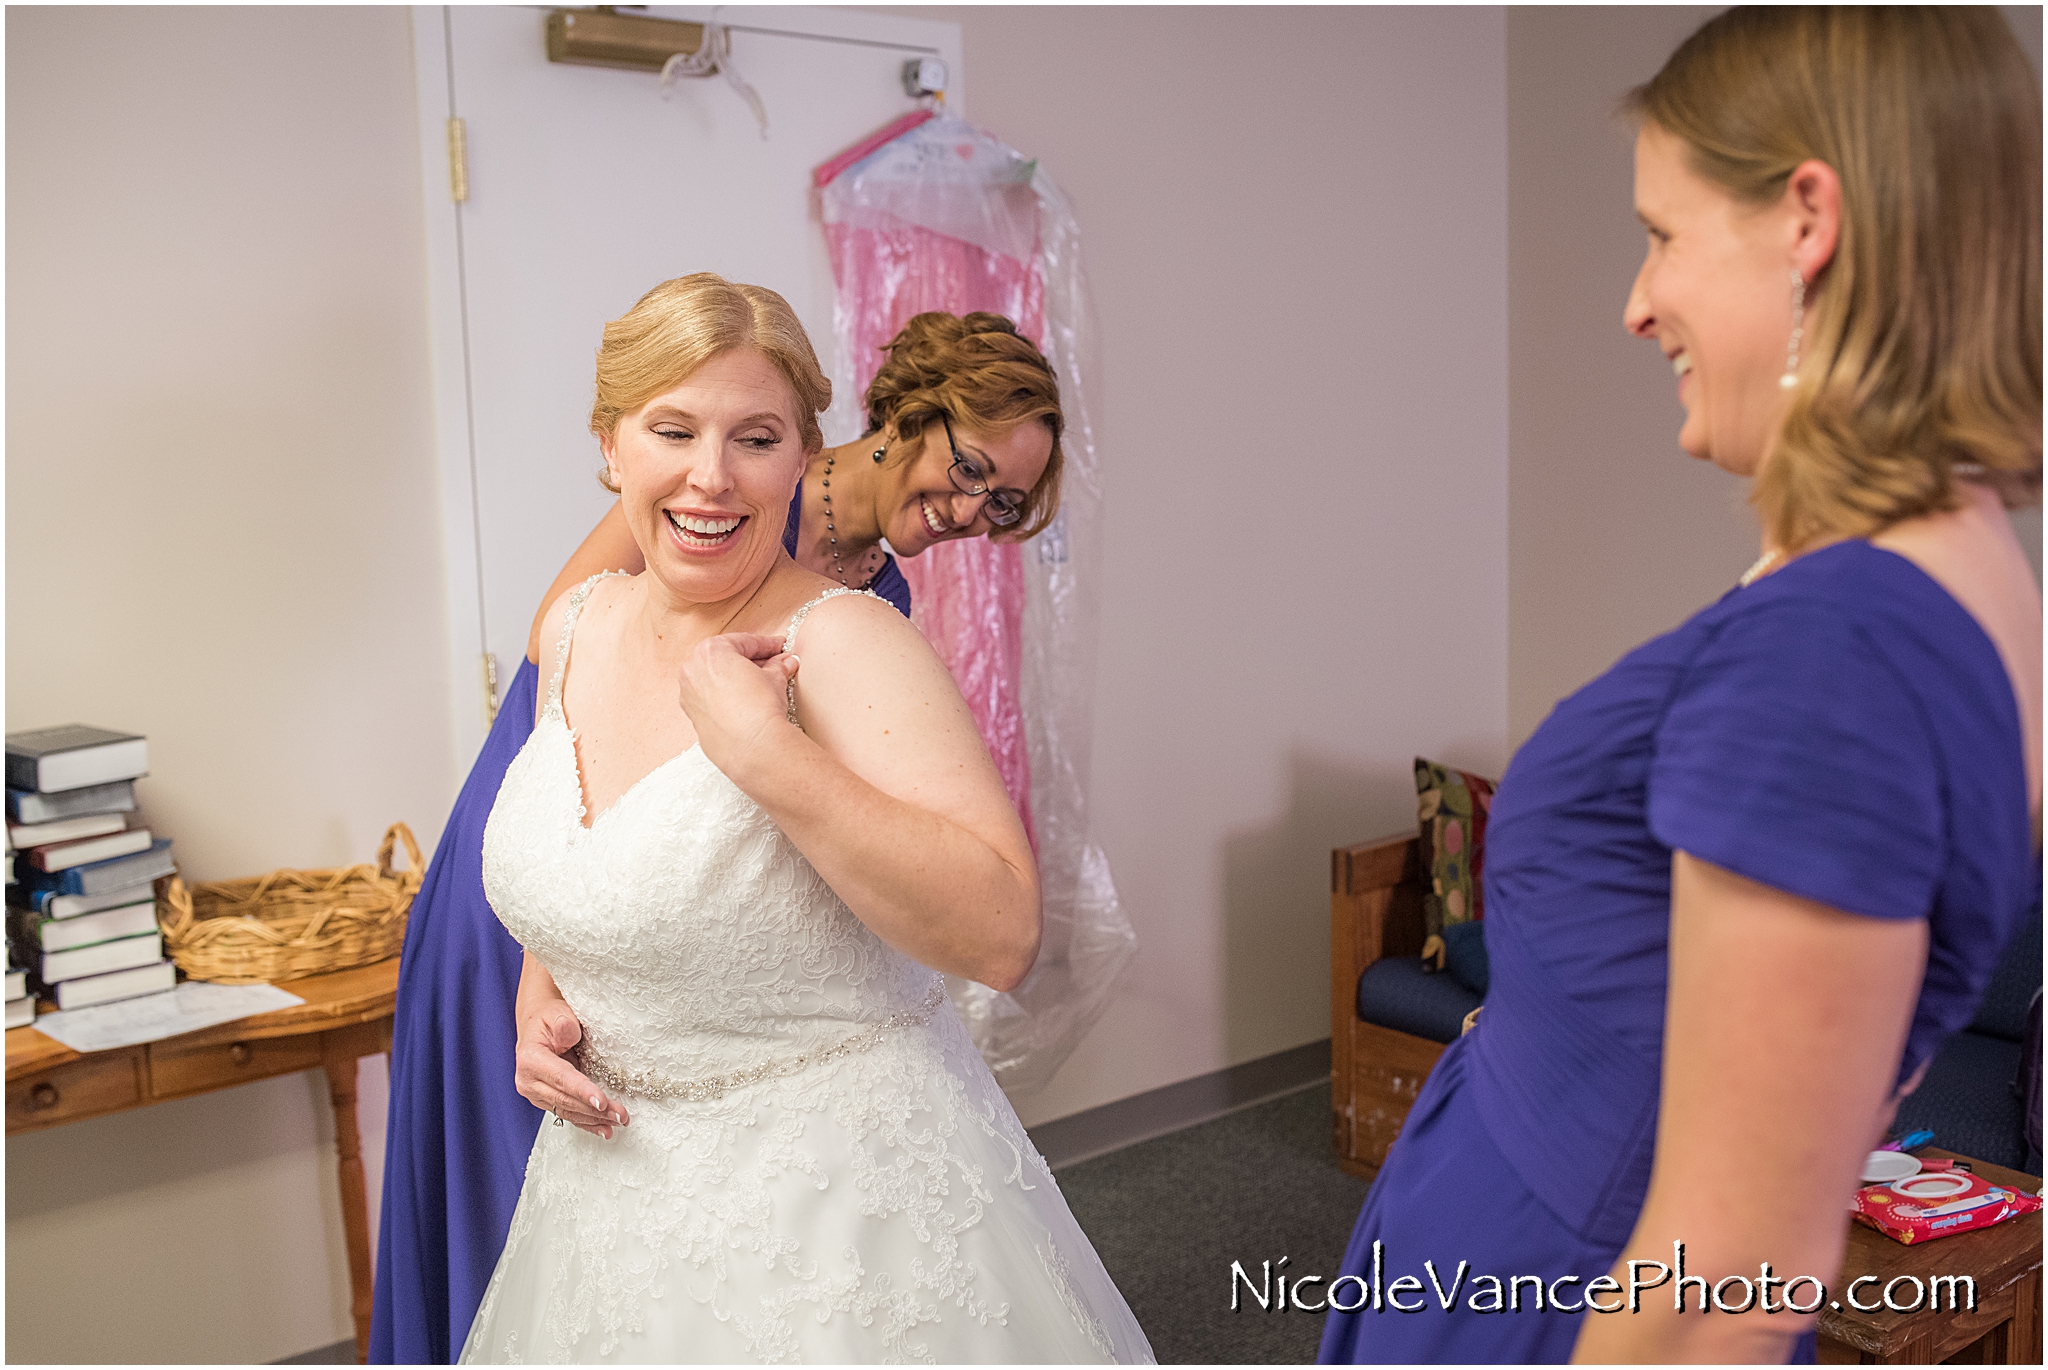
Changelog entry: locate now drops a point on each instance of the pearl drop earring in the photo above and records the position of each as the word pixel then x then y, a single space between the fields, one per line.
pixel 878 453
pixel 1791 376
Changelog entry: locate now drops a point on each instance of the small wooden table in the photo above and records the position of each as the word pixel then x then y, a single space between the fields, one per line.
pixel 346 1016
pixel 2005 1261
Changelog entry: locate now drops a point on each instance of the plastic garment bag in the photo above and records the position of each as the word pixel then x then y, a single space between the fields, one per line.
pixel 947 217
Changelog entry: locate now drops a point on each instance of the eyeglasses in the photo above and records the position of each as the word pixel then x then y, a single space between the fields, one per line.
pixel 1004 508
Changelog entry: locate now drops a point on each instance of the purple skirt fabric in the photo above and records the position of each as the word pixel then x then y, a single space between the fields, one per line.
pixel 458 1133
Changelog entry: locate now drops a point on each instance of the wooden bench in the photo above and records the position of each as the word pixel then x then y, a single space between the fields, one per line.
pixel 1375 1072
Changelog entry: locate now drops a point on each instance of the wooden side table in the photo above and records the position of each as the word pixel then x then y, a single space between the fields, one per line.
pixel 2005 1261
pixel 346 1016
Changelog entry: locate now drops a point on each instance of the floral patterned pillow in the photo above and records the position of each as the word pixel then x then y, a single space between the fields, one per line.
pixel 1451 806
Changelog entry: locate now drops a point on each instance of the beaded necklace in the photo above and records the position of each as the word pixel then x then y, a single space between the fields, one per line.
pixel 831 531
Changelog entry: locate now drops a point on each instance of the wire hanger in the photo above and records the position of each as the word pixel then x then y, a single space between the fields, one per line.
pixel 713 57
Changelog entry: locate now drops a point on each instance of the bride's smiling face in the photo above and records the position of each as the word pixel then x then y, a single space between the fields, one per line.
pixel 705 472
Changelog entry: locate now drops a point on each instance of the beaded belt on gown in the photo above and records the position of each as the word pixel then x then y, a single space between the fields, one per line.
pixel 649 1084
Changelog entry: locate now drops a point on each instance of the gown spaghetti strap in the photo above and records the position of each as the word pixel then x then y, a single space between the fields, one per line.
pixel 457 1134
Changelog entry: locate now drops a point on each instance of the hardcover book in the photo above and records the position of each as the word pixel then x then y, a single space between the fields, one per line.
pixel 62 934
pixel 26 806
pixel 56 904
pixel 73 756
pixel 120 984
pixel 61 856
pixel 98 959
pixel 17 983
pixel 64 829
pixel 20 1012
pixel 98 877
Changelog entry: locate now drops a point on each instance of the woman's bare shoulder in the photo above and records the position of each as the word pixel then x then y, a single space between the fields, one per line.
pixel 851 620
pixel 1973 554
pixel 859 648
pixel 598 592
pixel 871 692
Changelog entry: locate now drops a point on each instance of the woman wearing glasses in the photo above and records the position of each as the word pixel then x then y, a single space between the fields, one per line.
pixel 963 441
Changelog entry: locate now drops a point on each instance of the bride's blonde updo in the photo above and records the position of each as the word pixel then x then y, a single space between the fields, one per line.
pixel 980 371
pixel 681 324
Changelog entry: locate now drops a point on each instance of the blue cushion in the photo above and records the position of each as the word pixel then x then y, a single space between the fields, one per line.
pixel 1967 1100
pixel 2003 1011
pixel 1395 992
pixel 1465 956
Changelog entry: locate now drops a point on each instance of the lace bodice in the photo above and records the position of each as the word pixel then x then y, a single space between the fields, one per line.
pixel 818 1164
pixel 689 934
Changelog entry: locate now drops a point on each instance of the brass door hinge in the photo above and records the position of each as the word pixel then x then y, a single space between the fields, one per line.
pixel 490 688
pixel 458 161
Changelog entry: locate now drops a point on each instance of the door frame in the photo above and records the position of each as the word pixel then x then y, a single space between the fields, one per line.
pixel 447 339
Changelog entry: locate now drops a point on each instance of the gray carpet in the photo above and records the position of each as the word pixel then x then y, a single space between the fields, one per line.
pixel 1168 1217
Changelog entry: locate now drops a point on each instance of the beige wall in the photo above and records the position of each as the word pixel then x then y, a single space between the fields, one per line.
pixel 1614 535
pixel 222 532
pixel 1295 224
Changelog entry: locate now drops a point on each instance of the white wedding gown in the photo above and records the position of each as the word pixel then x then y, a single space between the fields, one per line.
pixel 818 1168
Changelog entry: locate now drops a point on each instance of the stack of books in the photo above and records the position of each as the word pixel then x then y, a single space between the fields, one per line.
pixel 21 1006
pixel 83 901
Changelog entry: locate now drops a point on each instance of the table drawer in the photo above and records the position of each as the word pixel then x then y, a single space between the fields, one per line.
pixel 195 1069
pixel 79 1090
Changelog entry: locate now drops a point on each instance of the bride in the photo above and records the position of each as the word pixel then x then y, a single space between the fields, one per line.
pixel 736 877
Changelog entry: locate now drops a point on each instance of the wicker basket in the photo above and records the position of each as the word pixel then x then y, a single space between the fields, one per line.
pixel 290 924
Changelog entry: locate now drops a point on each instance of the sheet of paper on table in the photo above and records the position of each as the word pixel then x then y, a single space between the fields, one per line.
pixel 153 1017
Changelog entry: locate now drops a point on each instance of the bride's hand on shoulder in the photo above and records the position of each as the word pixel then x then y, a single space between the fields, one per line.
pixel 734 690
pixel 889 792
pixel 543 1076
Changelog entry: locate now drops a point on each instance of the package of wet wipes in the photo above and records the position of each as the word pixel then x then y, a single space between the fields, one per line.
pixel 1938 1203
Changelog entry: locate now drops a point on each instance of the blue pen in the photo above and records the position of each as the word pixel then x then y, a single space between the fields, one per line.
pixel 1912 1141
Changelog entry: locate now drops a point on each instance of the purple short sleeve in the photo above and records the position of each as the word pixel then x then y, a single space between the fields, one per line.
pixel 1793 753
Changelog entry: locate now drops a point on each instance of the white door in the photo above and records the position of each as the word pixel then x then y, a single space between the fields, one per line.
pixel 585 188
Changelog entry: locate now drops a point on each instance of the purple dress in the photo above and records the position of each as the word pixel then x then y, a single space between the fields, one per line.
pixel 458 1134
pixel 1842 730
